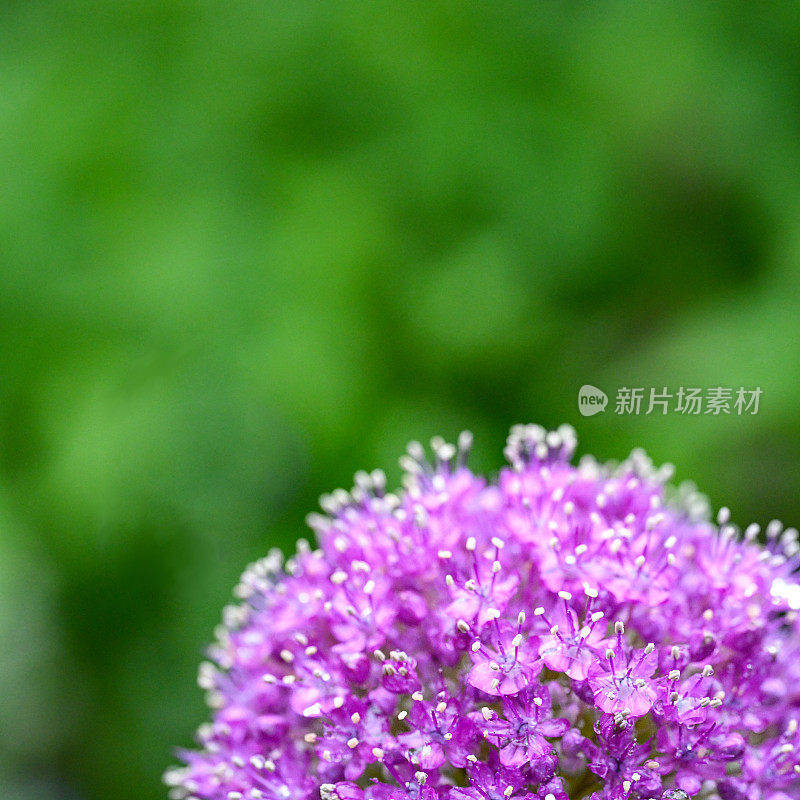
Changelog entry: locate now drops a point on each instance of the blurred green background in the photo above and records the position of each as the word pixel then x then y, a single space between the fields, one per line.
pixel 248 248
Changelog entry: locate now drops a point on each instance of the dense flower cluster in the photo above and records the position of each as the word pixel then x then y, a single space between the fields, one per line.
pixel 563 632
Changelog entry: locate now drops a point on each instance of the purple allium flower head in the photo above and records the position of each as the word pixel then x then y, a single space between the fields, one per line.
pixel 563 632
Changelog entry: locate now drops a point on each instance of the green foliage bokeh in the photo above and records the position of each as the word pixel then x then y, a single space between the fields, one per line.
pixel 248 248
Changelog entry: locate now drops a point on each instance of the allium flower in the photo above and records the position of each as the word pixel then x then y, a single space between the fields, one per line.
pixel 564 632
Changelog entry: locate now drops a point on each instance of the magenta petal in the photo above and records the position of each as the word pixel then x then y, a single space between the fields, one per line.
pixel 514 682
pixel 689 782
pixel 513 755
pixel 481 677
pixel 553 727
pixel 431 756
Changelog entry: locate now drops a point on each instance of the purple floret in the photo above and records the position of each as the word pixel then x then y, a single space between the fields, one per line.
pixel 564 632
